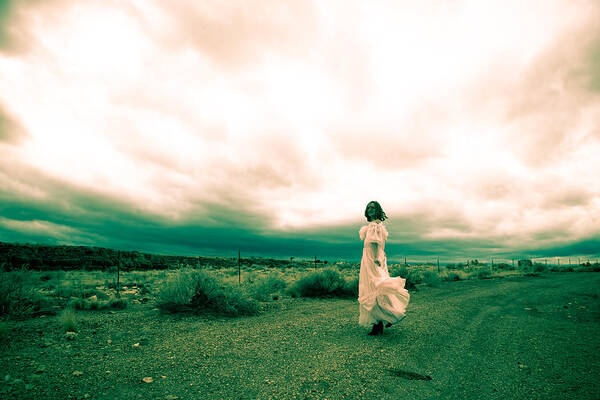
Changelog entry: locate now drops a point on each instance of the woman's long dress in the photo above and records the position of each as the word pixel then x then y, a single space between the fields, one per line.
pixel 381 297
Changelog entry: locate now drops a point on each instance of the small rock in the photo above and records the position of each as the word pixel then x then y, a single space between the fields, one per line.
pixel 147 379
pixel 135 345
pixel 109 341
pixel 163 376
pixel 93 298
pixel 77 373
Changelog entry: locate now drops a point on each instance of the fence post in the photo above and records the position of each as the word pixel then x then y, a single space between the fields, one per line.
pixel 438 260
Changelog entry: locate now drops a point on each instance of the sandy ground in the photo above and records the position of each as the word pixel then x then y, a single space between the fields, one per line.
pixel 515 337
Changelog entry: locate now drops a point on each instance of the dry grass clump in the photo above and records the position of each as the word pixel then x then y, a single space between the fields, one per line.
pixel 431 278
pixel 453 276
pixel 483 273
pixel 325 283
pixel 267 288
pixel 17 296
pixel 68 320
pixel 198 291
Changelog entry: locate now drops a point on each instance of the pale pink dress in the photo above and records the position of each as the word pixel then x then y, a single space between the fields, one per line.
pixel 381 297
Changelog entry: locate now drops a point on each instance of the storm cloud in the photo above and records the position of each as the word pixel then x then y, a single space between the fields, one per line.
pixel 208 127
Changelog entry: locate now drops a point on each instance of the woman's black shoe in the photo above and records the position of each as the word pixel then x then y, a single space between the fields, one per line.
pixel 373 331
pixel 377 329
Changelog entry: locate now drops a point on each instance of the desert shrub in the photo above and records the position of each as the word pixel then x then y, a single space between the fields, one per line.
pixel 453 276
pixel 410 275
pixel 77 303
pixel 144 288
pixel 483 273
pixel 587 267
pixel 110 283
pixel 415 276
pixel 198 291
pixel 46 276
pixel 398 270
pixel 115 303
pixel 17 299
pixel 70 288
pixel 531 273
pixel 231 271
pixel 431 278
pixel 177 291
pixel 101 295
pixel 539 267
pixel 92 303
pixel 347 266
pixel 265 289
pixel 452 266
pixel 66 289
pixel 68 320
pixel 326 283
pixel 352 286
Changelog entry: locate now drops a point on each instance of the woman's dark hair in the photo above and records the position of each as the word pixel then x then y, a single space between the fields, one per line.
pixel 379 214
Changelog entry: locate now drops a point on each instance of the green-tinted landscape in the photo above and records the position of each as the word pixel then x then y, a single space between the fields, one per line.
pixel 289 330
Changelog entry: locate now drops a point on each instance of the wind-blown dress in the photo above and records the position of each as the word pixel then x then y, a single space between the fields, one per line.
pixel 381 297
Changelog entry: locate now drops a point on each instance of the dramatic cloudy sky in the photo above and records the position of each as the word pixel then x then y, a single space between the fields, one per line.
pixel 204 127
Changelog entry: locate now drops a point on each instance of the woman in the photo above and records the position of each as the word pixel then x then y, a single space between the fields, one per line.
pixel 382 298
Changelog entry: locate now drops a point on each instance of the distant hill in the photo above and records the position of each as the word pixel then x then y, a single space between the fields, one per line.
pixel 45 257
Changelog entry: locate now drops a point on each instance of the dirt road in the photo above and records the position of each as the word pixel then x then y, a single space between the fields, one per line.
pixel 510 338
